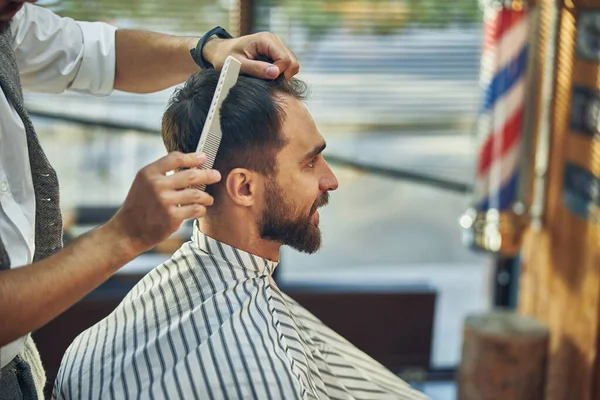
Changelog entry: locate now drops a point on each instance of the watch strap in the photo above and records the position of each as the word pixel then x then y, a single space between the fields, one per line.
pixel 197 51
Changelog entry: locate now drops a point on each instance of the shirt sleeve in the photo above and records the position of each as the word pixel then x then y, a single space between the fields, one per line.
pixel 55 54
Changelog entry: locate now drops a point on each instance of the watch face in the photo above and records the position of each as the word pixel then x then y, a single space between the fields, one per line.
pixel 588 34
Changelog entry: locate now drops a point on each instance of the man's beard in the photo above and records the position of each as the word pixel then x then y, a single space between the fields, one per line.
pixel 279 223
pixel 4 26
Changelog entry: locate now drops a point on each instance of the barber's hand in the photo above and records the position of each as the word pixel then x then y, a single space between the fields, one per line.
pixel 157 204
pixel 247 48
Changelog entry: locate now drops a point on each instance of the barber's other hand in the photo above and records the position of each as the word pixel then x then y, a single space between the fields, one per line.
pixel 247 48
pixel 157 204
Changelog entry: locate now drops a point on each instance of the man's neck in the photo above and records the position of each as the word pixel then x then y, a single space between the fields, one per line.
pixel 242 236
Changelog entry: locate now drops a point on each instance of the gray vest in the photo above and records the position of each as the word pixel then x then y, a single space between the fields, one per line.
pixel 48 221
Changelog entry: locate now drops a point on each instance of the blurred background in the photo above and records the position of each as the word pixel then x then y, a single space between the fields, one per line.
pixel 395 92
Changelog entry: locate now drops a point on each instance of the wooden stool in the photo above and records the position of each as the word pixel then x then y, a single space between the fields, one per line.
pixel 503 357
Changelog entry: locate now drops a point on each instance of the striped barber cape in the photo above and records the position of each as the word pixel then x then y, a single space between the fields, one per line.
pixel 211 323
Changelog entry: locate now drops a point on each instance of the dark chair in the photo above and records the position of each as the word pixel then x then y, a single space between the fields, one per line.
pixel 393 324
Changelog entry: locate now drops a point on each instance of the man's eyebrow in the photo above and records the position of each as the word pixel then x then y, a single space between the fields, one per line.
pixel 318 149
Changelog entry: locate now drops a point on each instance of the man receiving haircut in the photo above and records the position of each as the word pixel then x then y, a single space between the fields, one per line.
pixel 211 322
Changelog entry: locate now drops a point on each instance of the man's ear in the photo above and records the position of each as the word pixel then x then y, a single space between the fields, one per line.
pixel 242 186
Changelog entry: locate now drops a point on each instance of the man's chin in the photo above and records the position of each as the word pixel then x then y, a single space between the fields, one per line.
pixel 306 240
pixel 311 241
pixel 306 250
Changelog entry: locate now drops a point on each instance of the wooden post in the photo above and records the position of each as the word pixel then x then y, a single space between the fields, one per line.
pixel 560 271
pixel 504 357
pixel 241 17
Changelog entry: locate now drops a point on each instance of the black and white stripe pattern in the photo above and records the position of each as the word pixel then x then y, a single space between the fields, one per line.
pixel 211 323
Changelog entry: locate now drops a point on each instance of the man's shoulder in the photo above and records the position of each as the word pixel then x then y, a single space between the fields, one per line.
pixel 185 311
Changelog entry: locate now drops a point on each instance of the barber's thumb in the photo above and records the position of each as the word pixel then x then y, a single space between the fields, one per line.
pixel 261 69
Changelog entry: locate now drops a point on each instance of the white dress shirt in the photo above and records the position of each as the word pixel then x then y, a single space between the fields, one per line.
pixel 211 323
pixel 54 54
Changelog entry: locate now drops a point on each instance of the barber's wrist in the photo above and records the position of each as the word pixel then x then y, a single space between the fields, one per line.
pixel 123 247
pixel 210 49
pixel 187 44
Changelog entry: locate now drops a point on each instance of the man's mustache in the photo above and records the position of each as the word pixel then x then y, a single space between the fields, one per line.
pixel 323 200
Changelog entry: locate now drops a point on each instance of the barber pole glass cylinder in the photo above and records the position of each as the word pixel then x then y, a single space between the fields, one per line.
pixel 494 222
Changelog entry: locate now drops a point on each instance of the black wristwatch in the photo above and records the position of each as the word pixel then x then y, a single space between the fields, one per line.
pixel 197 52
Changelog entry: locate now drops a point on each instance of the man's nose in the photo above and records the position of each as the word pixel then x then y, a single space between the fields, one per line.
pixel 328 182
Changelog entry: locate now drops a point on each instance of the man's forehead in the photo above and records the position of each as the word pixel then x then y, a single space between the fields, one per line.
pixel 299 128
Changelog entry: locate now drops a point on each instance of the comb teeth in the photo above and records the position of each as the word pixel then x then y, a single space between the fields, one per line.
pixel 210 147
pixel 210 137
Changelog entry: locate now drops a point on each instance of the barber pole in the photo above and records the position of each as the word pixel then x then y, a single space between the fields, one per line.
pixel 493 221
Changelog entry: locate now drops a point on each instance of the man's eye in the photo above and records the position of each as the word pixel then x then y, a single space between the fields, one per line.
pixel 312 162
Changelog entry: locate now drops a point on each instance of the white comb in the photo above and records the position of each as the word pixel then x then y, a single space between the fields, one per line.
pixel 210 138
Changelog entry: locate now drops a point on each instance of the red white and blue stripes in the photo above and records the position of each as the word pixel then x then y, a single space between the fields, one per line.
pixel 503 67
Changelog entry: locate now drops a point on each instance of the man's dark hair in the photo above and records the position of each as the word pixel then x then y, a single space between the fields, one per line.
pixel 251 120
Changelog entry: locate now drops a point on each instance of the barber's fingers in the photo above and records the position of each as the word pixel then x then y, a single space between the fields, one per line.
pixel 174 161
pixel 293 67
pixel 157 203
pixel 190 196
pixel 188 211
pixel 261 69
pixel 192 177
pixel 268 45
